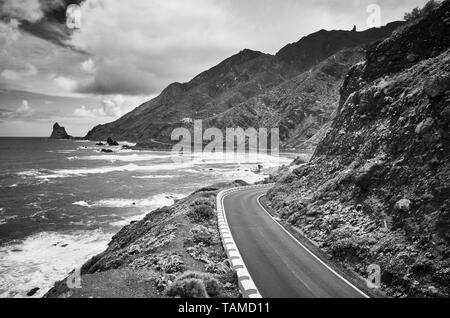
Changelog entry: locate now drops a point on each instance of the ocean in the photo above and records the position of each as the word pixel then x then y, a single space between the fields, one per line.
pixel 61 201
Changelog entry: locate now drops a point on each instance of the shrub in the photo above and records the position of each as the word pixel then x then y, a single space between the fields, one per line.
pixel 201 234
pixel 212 286
pixel 187 288
pixel 202 212
pixel 203 201
pixel 417 13
pixel 195 285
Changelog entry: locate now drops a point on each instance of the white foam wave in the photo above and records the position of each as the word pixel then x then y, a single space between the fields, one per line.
pixel 42 259
pixel 155 177
pixel 126 143
pixel 153 202
pixel 126 158
pixel 64 173
pixel 81 203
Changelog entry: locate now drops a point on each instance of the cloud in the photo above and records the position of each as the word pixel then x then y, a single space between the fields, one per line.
pixel 83 111
pixel 120 77
pixel 9 33
pixel 28 10
pixel 88 66
pixel 15 75
pixel 23 10
pixel 24 111
pixel 114 106
pixel 67 84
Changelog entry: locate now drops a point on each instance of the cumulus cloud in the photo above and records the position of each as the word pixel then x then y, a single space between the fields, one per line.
pixel 28 10
pixel 9 33
pixel 23 10
pixel 17 74
pixel 67 84
pixel 88 66
pixel 120 77
pixel 113 106
pixel 24 111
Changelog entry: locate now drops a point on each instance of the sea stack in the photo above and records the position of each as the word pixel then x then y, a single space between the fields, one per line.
pixel 59 132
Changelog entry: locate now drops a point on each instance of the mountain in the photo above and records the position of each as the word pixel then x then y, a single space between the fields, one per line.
pixel 299 106
pixel 233 84
pixel 59 132
pixel 377 189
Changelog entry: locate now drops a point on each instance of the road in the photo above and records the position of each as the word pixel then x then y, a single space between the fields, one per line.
pixel 280 266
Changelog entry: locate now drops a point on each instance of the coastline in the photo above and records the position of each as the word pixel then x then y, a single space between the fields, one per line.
pixel 147 256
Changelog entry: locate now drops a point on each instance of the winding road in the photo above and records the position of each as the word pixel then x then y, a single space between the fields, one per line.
pixel 280 266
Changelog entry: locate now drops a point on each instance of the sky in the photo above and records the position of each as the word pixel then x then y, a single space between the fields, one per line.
pixel 126 52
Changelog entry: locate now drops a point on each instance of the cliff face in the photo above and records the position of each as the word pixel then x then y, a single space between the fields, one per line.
pixel 59 132
pixel 377 189
pixel 237 86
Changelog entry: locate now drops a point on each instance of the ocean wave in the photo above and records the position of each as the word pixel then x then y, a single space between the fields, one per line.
pixel 154 202
pixel 125 158
pixel 176 163
pixel 155 177
pixel 44 258
pixel 65 173
pixel 127 143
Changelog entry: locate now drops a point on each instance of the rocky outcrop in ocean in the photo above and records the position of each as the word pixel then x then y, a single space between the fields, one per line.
pixel 59 132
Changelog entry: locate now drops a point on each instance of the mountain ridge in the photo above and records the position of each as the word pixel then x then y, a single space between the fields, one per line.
pixel 232 82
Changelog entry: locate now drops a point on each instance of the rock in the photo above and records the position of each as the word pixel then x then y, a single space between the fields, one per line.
pixel 100 144
pixel 59 132
pixel 424 126
pixel 125 147
pixel 446 113
pixel 433 290
pixel 404 205
pixel 412 57
pixel 112 142
pixel 437 86
pixel 107 151
pixel 33 292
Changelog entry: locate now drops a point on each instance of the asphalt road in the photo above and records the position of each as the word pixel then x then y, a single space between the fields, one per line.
pixel 279 265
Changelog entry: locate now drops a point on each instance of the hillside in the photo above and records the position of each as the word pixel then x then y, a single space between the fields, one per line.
pixel 377 188
pixel 147 257
pixel 233 84
pixel 300 106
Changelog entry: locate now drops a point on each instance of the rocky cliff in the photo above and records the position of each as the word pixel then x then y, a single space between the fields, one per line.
pixel 377 189
pixel 251 82
pixel 59 132
pixel 152 258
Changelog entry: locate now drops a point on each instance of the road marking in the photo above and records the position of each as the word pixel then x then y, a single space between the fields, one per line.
pixel 316 257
